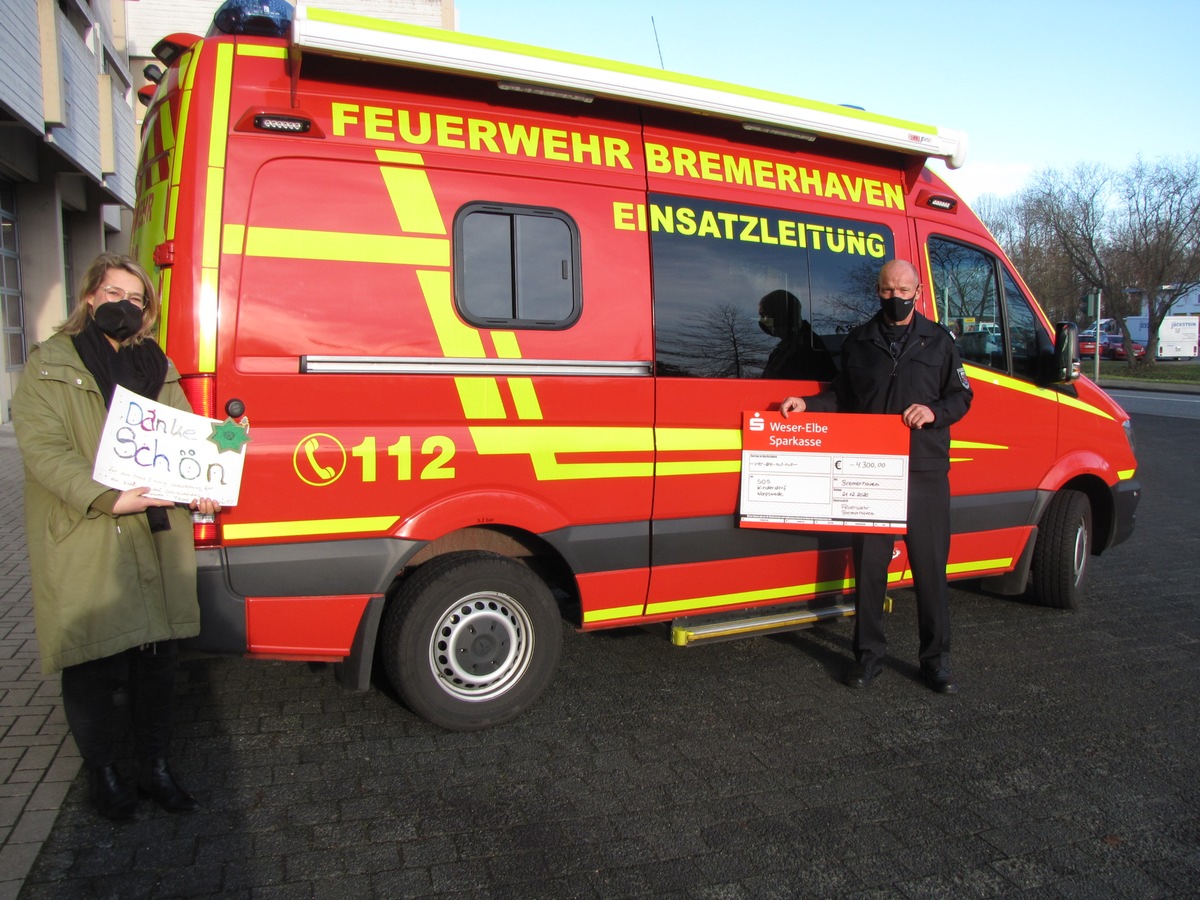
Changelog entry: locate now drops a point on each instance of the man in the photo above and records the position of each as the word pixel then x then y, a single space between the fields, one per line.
pixel 901 363
pixel 799 354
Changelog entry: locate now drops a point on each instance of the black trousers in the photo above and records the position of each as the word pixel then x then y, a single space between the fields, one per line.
pixel 928 542
pixel 96 722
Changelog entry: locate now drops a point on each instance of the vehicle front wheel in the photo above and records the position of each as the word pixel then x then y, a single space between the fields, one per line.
pixel 1060 555
pixel 471 640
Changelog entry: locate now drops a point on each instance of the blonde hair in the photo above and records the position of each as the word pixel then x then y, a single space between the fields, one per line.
pixel 93 280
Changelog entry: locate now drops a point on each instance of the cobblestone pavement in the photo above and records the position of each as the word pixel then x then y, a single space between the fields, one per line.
pixel 1065 768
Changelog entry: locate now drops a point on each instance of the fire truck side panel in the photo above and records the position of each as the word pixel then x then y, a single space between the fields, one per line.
pixel 470 324
pixel 402 428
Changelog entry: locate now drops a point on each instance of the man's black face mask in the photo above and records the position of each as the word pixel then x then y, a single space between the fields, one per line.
pixel 895 308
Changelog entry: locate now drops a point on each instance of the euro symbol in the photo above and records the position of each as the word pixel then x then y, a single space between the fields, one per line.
pixel 838 465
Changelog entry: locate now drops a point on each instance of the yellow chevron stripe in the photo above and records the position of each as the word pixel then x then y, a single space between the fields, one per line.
pixel 683 439
pixel 617 612
pixel 525 398
pixel 264 52
pixel 744 597
pixel 456 338
pixel 412 199
pixel 245 531
pixel 480 398
pixel 341 246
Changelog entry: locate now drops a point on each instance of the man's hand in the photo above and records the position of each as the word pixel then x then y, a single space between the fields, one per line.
pixel 791 404
pixel 918 416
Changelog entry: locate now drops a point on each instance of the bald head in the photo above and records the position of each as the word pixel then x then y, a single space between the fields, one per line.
pixel 900 269
pixel 899 287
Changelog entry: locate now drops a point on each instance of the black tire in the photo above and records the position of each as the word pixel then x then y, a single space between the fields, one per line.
pixel 1060 556
pixel 471 640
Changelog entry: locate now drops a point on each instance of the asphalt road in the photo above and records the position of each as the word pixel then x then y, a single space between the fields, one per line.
pixel 1065 768
pixel 1158 403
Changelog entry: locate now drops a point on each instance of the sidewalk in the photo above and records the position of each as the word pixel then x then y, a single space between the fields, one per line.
pixel 38 760
pixel 1064 768
pixel 1139 384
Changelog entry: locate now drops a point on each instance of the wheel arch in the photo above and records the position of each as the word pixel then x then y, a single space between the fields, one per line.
pixel 1100 498
pixel 525 547
pixel 529 549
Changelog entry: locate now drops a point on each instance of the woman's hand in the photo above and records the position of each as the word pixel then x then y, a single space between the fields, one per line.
pixel 135 500
pixel 205 506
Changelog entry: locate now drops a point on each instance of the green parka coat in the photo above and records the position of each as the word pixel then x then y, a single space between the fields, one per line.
pixel 101 583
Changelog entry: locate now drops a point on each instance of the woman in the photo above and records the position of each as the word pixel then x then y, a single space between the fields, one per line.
pixel 114 572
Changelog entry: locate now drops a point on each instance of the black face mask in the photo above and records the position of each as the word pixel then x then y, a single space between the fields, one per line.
pixel 896 309
pixel 120 320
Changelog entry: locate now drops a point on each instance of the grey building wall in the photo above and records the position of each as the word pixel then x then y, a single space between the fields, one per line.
pixel 20 66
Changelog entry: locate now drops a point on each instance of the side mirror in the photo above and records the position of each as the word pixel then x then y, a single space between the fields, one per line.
pixel 1066 353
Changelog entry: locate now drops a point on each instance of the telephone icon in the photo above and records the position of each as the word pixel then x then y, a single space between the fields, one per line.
pixel 315 470
pixel 310 450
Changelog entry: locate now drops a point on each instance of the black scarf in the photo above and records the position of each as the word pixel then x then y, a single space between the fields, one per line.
pixel 141 368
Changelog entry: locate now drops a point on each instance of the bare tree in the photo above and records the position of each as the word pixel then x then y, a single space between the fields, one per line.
pixel 1133 234
pixel 722 342
pixel 1029 240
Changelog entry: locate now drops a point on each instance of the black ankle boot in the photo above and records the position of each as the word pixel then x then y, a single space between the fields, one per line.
pixel 158 783
pixel 110 796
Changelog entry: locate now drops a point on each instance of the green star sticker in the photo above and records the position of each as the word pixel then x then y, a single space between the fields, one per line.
pixel 229 435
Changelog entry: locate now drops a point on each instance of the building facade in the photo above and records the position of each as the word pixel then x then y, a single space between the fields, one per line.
pixel 69 118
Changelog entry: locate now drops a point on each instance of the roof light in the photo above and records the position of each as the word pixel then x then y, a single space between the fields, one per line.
pixel 937 201
pixel 279 121
pixel 321 31
pixel 289 124
pixel 544 91
pixel 265 18
pixel 779 132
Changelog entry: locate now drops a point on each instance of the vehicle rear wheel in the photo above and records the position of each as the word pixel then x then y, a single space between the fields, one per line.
pixel 471 640
pixel 1061 553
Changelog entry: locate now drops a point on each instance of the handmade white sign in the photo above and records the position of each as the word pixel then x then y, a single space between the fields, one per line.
pixel 178 455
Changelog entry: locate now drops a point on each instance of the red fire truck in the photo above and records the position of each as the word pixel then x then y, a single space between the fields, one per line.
pixel 492 313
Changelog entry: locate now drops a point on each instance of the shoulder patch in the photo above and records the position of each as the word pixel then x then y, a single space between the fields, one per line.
pixel 962 376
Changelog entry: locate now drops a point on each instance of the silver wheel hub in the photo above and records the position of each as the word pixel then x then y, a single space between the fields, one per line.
pixel 481 647
pixel 1081 550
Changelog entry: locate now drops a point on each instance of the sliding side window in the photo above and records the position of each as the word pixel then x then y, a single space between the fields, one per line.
pixel 516 267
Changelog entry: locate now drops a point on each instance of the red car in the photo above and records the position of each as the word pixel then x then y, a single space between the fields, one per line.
pixel 1114 348
pixel 1087 345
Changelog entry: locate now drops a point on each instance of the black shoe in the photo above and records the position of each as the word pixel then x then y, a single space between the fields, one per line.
pixel 862 674
pixel 940 681
pixel 158 783
pixel 110 796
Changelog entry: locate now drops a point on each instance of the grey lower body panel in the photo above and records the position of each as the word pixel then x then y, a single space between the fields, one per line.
pixel 225 577
pixel 1125 501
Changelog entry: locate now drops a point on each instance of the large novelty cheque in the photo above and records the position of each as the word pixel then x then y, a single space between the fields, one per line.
pixel 178 455
pixel 824 472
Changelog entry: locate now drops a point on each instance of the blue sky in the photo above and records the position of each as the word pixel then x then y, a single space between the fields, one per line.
pixel 1033 84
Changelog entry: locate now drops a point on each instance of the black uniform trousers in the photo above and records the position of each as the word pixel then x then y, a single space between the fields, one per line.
pixel 928 541
pixel 89 690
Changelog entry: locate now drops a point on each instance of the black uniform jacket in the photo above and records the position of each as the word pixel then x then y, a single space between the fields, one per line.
pixel 927 370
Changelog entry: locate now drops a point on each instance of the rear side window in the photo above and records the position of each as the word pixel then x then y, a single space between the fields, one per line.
pixel 754 292
pixel 516 267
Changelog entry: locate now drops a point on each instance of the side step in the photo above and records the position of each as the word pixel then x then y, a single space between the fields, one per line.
pixel 742 624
